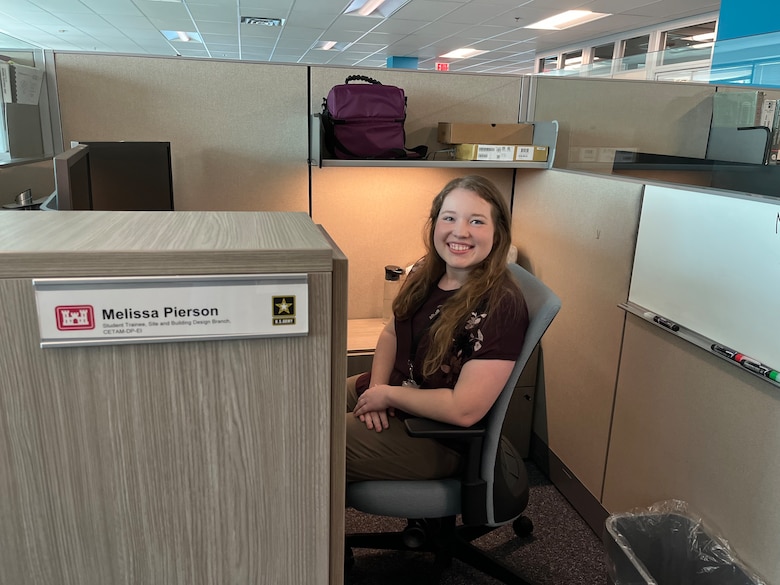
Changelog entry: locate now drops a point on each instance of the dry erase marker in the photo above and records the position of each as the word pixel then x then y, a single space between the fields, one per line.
pixel 741 359
pixel 755 366
pixel 663 322
pixel 773 375
pixel 724 351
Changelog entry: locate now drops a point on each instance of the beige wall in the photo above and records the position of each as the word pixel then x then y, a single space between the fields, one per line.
pixel 377 215
pixel 238 131
pixel 577 232
pixel 597 116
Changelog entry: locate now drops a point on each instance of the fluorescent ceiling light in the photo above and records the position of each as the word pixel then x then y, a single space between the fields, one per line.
pixel 701 38
pixel 701 45
pixel 464 53
pixel 567 19
pixel 374 8
pixel 182 36
pixel 330 46
pixel 262 20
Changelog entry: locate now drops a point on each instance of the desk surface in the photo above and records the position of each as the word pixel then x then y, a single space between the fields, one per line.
pixel 362 335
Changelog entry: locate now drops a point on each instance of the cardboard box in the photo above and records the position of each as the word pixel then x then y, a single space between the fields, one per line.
pixel 501 152
pixel 456 133
pixel 532 153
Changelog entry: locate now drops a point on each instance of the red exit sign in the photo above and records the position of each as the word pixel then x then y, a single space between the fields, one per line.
pixel 442 66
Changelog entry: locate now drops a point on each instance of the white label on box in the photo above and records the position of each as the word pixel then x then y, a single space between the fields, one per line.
pixel 495 152
pixel 524 153
pixel 111 311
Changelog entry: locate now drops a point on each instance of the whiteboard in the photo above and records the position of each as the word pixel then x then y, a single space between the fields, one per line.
pixel 710 261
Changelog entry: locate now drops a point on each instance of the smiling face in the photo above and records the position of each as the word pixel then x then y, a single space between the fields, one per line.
pixel 464 231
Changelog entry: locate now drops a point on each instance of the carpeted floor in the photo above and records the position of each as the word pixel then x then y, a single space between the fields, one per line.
pixel 562 550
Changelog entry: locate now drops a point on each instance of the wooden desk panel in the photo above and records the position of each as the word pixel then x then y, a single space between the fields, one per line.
pixel 182 463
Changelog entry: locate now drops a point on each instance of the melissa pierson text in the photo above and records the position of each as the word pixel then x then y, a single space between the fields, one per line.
pixel 130 313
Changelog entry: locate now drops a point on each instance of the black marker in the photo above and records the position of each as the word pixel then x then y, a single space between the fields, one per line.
pixel 664 322
pixel 724 351
pixel 746 362
pixel 756 367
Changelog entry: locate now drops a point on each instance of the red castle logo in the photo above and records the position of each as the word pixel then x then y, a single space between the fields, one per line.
pixel 75 317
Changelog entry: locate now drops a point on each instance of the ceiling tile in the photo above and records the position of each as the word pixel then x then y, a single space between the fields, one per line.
pixel 422 28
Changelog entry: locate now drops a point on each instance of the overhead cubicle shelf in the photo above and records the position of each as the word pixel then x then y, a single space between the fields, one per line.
pixel 545 134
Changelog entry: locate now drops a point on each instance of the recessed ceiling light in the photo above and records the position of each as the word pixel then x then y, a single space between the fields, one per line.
pixel 330 46
pixel 462 53
pixel 182 36
pixel 262 21
pixel 374 8
pixel 567 19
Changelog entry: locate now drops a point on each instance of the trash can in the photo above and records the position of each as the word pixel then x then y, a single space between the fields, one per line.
pixel 668 545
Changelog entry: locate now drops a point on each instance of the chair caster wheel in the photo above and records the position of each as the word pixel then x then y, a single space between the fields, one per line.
pixel 414 535
pixel 523 526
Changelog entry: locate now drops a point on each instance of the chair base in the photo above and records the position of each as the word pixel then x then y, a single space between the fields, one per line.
pixel 446 541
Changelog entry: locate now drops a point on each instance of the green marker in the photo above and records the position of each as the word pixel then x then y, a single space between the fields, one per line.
pixel 774 375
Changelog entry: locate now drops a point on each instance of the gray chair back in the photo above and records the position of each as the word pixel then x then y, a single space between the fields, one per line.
pixel 543 304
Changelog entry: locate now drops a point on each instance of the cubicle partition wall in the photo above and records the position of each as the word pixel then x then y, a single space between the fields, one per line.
pixel 238 131
pixel 174 448
pixel 577 233
pixel 632 413
pixel 640 116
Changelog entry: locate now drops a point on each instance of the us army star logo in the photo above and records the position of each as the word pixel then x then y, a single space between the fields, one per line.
pixel 284 310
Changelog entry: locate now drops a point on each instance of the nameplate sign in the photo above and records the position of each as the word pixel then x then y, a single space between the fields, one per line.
pixel 111 311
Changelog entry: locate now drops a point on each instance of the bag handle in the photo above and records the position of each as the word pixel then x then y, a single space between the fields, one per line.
pixel 362 78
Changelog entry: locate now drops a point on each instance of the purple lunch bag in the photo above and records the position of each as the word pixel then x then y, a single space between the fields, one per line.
pixel 366 121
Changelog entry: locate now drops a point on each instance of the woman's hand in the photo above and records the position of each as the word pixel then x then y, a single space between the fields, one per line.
pixel 373 408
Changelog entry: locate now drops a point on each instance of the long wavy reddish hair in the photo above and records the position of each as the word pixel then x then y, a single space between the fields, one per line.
pixel 486 284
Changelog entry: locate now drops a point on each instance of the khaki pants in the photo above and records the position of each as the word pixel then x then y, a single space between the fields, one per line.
pixel 392 454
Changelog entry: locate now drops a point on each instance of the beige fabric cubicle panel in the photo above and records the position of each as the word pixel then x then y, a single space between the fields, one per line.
pixel 186 463
pixel 597 116
pixel 689 426
pixel 238 130
pixel 434 97
pixel 577 233
pixel 377 215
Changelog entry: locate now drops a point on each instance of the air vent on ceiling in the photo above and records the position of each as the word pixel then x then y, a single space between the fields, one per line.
pixel 262 21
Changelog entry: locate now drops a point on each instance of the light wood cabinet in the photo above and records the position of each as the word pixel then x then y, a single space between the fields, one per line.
pixel 191 462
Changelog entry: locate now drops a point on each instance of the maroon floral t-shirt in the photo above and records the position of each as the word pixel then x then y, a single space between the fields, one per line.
pixel 496 333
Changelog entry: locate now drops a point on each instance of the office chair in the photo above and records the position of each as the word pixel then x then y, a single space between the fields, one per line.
pixel 492 491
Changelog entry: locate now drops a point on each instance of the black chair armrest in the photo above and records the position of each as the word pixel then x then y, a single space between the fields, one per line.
pixel 426 428
pixel 473 487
